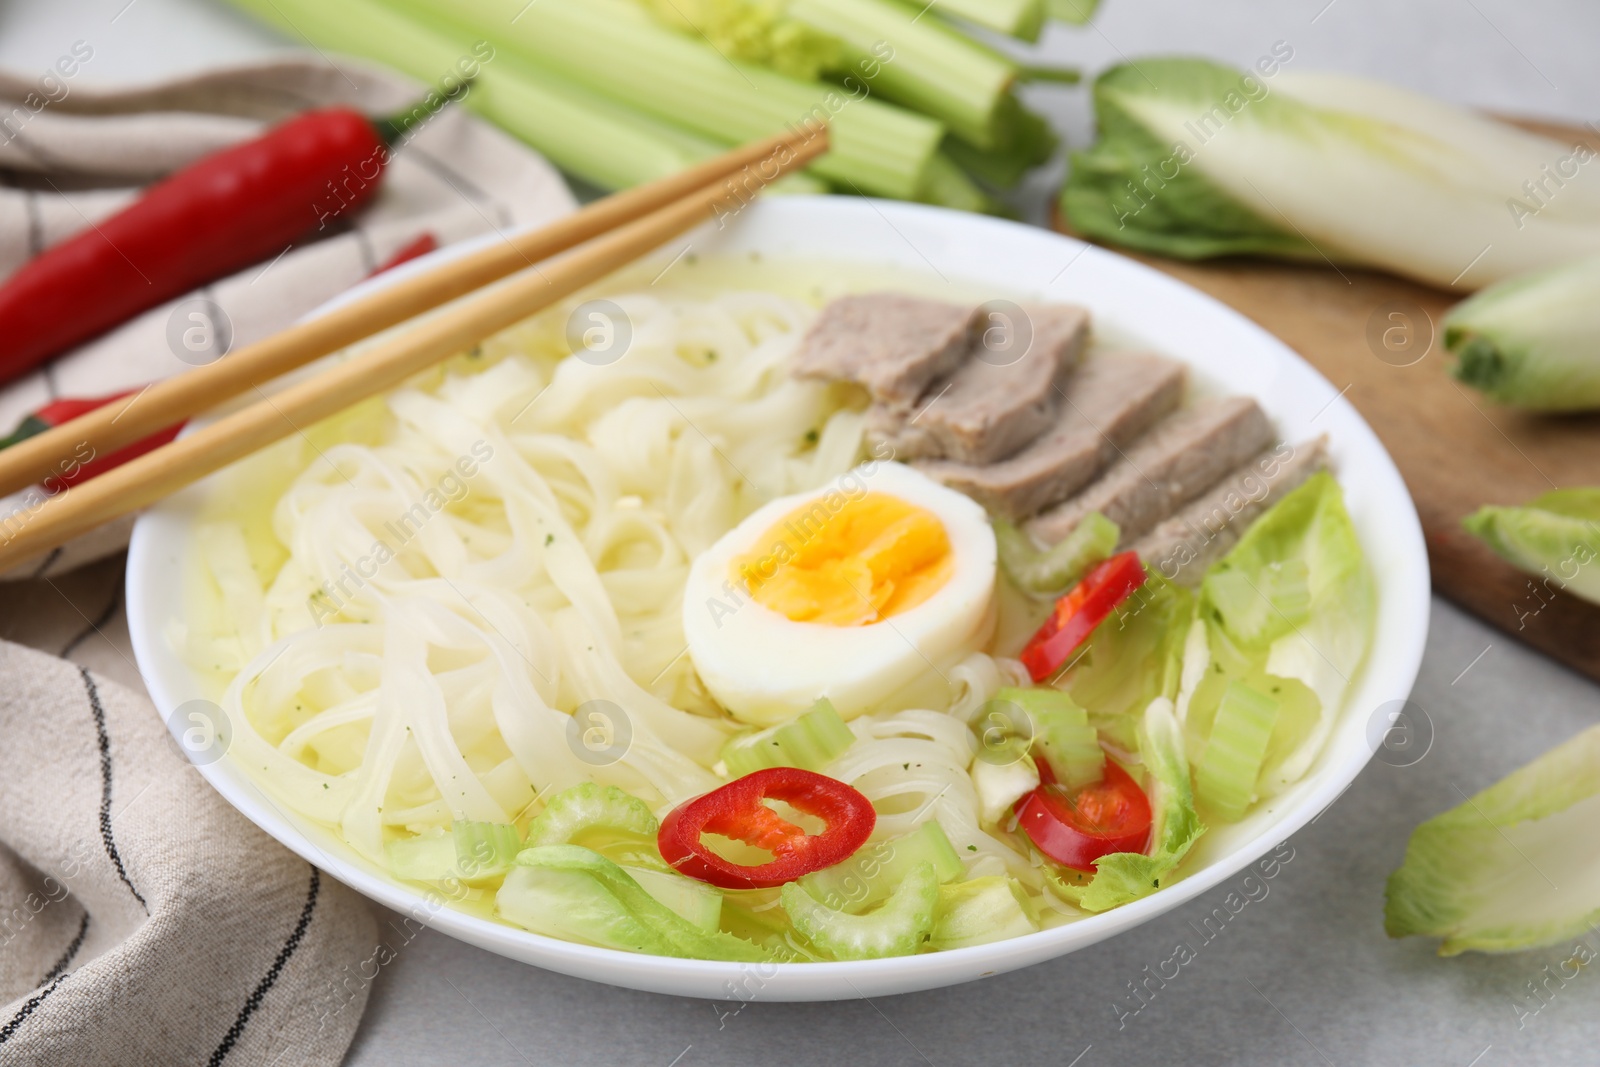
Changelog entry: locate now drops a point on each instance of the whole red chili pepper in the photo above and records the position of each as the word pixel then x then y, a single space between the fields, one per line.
pixel 236 207
pixel 84 464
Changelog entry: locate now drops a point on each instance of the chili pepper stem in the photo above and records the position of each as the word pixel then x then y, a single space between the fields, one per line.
pixel 394 127
pixel 28 427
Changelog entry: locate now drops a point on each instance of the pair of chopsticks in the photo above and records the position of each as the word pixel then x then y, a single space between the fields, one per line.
pixel 590 244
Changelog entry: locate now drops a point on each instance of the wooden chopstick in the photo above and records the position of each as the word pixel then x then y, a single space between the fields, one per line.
pixel 386 364
pixel 166 403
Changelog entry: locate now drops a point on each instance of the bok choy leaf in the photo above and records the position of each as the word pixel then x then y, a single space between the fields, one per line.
pixel 1288 617
pixel 1196 159
pixel 1533 341
pixel 1557 536
pixel 578 895
pixel 1516 866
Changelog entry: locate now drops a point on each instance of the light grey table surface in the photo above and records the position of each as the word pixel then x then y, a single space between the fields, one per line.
pixel 1303 975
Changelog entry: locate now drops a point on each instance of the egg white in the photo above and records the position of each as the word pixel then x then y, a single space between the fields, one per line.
pixel 766 668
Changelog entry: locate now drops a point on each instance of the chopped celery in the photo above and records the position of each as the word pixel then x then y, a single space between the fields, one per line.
pixel 898 927
pixel 614 48
pixel 928 65
pixel 1258 609
pixel 585 807
pixel 469 852
pixel 1053 571
pixel 427 858
pixel 810 742
pixel 486 848
pixel 577 894
pixel 1062 734
pixel 981 911
pixel 1231 761
pixel 1016 18
pixel 873 872
pixel 581 133
pixel 698 904
pixel 1124 876
pixel 1002 776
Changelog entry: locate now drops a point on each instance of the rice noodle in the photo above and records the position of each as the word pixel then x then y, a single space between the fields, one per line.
pixel 513 544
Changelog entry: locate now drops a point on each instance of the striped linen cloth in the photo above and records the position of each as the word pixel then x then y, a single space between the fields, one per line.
pixel 142 919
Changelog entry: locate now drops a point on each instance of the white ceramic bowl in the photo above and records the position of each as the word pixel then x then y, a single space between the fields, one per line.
pixel 1127 299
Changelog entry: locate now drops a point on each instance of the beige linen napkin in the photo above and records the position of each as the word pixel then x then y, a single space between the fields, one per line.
pixel 142 919
pixel 83 157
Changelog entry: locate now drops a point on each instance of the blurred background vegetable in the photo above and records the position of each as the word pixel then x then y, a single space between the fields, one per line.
pixel 617 92
pixel 1556 536
pixel 1533 341
pixel 1197 159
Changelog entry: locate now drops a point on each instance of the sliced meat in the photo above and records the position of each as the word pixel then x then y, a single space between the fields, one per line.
pixel 997 401
pixel 1183 456
pixel 891 343
pixel 1109 401
pixel 1186 544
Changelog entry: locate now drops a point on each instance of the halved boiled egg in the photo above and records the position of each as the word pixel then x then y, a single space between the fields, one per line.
pixel 849 592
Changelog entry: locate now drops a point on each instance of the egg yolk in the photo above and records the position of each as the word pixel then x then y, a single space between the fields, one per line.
pixel 848 562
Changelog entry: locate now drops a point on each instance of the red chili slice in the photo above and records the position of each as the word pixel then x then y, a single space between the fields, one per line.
pixel 1075 616
pixel 1076 827
pixel 736 811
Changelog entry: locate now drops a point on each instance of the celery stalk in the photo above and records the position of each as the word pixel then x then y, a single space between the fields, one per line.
pixel 1016 18
pixel 934 69
pixel 1076 12
pixel 530 124
pixel 580 133
pixel 874 147
pixel 1028 141
pixel 947 185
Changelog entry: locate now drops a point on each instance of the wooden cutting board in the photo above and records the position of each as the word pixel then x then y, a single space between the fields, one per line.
pixel 1376 336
